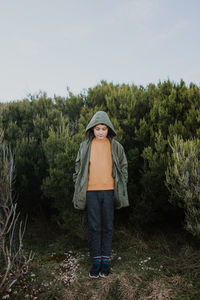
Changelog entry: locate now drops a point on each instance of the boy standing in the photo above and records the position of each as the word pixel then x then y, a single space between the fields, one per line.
pixel 100 185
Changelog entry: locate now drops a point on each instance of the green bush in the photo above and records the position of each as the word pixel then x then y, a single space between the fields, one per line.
pixel 183 180
pixel 45 135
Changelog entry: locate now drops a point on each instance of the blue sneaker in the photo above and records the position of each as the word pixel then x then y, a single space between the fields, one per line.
pixel 96 266
pixel 105 268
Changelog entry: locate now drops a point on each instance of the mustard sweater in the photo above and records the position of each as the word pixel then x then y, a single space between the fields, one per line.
pixel 100 168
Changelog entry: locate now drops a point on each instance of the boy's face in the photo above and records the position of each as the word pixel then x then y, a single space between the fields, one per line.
pixel 100 131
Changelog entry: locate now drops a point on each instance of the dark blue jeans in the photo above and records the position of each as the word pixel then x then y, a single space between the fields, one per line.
pixel 100 207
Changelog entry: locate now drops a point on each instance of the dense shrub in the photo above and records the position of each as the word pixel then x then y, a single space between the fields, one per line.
pixel 183 180
pixel 45 135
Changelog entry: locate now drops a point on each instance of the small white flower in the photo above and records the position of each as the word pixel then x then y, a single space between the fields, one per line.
pixel 45 284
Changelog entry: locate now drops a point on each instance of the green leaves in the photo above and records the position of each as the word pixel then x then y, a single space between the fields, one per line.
pixel 45 135
pixel 183 180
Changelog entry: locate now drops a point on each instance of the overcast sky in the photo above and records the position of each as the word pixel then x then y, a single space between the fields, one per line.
pixel 49 45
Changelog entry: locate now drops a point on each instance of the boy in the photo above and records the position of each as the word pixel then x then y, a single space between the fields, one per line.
pixel 100 185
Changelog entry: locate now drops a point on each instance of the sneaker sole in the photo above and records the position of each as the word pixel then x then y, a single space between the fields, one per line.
pixel 93 276
pixel 103 275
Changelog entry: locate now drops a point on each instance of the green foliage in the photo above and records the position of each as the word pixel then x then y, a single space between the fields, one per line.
pixel 60 150
pixel 45 135
pixel 30 169
pixel 155 160
pixel 183 180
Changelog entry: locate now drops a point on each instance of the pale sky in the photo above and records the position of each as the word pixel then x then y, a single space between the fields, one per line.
pixel 49 45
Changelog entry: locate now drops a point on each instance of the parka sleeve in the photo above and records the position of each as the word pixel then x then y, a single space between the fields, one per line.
pixel 123 164
pixel 77 165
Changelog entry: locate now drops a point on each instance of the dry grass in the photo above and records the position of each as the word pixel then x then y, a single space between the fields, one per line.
pixel 157 290
pixel 125 289
pixel 156 268
pixel 103 288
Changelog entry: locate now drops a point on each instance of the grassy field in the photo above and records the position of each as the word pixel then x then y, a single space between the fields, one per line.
pixel 155 265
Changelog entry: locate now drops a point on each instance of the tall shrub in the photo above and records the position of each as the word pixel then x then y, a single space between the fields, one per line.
pixel 183 180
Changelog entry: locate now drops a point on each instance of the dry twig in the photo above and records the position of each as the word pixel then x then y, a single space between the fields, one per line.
pixel 15 261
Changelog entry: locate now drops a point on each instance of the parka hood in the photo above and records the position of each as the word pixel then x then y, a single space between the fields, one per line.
pixel 100 117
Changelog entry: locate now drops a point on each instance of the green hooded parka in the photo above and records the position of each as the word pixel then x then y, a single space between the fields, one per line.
pixel 120 165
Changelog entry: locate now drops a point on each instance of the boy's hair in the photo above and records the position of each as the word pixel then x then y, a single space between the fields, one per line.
pixel 101 124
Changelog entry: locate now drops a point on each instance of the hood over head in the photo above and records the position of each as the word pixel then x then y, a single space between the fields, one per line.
pixel 100 117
